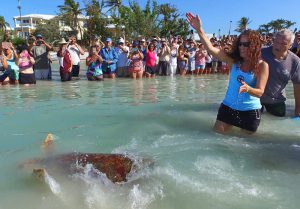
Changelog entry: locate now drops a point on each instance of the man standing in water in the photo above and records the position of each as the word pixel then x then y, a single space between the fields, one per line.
pixel 284 66
pixel 40 50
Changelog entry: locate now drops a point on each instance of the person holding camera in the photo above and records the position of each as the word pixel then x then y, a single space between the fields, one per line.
pixel 9 57
pixel 164 57
pixel 39 50
pixel 110 59
pixel 75 51
pixel 94 62
pixel 123 51
pixel 65 61
pixel 136 65
pixel 25 63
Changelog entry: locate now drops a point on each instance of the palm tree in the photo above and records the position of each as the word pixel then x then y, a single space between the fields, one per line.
pixel 289 23
pixel 243 24
pixel 113 5
pixel 3 24
pixel 70 12
pixel 277 25
pixel 265 28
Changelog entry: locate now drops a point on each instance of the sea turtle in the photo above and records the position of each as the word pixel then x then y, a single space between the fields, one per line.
pixel 116 167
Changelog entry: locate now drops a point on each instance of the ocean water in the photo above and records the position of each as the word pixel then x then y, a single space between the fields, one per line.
pixel 168 120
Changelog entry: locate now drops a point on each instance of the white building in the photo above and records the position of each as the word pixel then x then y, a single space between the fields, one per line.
pixel 28 24
pixel 25 25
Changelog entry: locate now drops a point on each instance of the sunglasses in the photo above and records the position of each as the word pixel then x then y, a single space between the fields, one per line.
pixel 244 44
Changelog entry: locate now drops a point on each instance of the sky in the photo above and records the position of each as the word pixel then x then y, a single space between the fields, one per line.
pixel 215 14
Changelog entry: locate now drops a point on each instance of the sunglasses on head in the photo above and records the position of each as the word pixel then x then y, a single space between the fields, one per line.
pixel 244 44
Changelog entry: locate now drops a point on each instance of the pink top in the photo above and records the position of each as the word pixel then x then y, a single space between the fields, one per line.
pixel 136 63
pixel 200 58
pixel 150 58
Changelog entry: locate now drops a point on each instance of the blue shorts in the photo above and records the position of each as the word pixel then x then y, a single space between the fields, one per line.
pixel 200 67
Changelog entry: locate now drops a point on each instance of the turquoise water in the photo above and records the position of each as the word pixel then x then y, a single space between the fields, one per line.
pixel 166 119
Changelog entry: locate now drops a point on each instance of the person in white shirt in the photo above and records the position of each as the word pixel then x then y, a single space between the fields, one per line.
pixel 122 64
pixel 75 51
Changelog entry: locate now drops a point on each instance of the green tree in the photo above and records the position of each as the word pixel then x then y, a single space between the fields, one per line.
pixel 3 24
pixel 154 19
pixel 49 30
pixel 171 22
pixel 113 5
pixel 289 23
pixel 277 24
pixel 243 24
pixel 265 28
pixel 96 23
pixel 70 12
pixel 138 21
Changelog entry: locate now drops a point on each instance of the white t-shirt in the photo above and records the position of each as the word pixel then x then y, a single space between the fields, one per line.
pixel 75 54
pixel 173 57
pixel 123 57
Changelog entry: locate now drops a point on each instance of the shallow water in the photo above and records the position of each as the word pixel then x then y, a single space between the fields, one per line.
pixel 166 119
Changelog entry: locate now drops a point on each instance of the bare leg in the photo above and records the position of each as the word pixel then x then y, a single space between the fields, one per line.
pixel 221 127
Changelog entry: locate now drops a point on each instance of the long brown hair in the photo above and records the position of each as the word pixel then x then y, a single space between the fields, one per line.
pixel 255 40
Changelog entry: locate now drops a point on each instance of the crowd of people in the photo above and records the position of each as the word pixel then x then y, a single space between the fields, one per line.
pixel 260 66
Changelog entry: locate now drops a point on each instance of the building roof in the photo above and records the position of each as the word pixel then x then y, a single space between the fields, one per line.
pixel 45 17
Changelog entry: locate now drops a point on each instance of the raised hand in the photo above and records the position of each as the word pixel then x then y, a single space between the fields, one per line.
pixel 194 21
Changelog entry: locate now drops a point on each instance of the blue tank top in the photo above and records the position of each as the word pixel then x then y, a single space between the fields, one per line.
pixel 12 64
pixel 240 101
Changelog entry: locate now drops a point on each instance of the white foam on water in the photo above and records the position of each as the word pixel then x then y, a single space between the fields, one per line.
pixel 181 180
pixel 100 192
pixel 53 185
pixel 96 189
pixel 140 199
pixel 297 146
pixel 169 140
pixel 132 145
pixel 219 172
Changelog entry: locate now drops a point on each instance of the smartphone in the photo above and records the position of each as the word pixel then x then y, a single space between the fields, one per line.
pixel 6 45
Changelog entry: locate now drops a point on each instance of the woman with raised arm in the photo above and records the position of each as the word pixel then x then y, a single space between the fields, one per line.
pixel 248 77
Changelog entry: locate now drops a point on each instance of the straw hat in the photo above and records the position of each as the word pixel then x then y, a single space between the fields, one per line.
pixel 62 41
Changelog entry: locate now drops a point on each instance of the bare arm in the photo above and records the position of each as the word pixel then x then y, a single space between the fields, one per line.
pixel 4 62
pixel 297 99
pixel 195 22
pixel 80 49
pixel 262 79
pixel 47 45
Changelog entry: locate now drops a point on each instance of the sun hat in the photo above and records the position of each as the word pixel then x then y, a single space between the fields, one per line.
pixel 62 41
pixel 121 40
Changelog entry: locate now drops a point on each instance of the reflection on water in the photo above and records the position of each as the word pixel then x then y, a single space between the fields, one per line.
pixel 167 119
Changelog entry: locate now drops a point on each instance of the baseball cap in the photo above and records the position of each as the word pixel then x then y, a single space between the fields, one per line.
pixel 38 36
pixel 108 40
